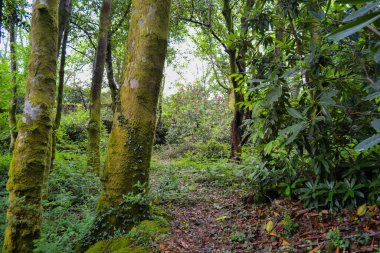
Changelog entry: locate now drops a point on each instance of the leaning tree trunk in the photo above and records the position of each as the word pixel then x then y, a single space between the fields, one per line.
pixel 130 146
pixel 13 104
pixel 30 161
pixel 93 128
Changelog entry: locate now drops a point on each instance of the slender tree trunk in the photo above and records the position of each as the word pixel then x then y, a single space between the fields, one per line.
pixel 110 75
pixel 27 175
pixel 64 13
pixel 238 114
pixel 96 88
pixel 1 17
pixel 58 115
pixel 13 105
pixel 130 145
pixel 65 8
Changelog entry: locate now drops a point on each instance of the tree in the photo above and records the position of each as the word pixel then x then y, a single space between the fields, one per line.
pixel 13 106
pixel 28 171
pixel 96 87
pixel 65 7
pixel 126 171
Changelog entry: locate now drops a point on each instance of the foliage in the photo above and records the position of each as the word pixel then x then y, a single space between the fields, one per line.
pixel 69 210
pixel 73 127
pixel 196 113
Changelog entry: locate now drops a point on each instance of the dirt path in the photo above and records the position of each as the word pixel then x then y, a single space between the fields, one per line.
pixel 207 214
pixel 215 220
pixel 200 225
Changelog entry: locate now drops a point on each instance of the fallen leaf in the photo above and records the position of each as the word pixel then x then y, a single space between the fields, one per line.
pixel 269 226
pixel 223 217
pixel 361 210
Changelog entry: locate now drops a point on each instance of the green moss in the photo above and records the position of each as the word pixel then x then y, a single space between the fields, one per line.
pixel 130 250
pixel 98 247
pixel 136 241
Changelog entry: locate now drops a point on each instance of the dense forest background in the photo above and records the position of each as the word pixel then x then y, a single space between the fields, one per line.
pixel 282 125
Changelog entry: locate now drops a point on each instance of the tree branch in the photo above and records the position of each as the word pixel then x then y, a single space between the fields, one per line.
pixel 208 27
pixel 85 32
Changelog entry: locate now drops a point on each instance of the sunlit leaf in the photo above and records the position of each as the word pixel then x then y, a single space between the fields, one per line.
pixel 368 143
pixel 269 226
pixel 354 26
pixel 362 11
pixel 362 210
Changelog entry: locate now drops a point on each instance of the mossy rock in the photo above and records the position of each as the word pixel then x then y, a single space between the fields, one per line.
pixel 135 240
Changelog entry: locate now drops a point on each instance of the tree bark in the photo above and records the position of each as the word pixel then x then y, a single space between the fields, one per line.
pixel 64 13
pixel 13 104
pixel 237 120
pixel 1 17
pixel 110 75
pixel 27 176
pixel 65 8
pixel 96 88
pixel 130 145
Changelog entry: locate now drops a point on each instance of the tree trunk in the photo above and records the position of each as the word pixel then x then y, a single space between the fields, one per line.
pixel 110 75
pixel 64 13
pixel 65 8
pixel 237 112
pixel 130 145
pixel 1 17
pixel 30 161
pixel 96 88
pixel 13 105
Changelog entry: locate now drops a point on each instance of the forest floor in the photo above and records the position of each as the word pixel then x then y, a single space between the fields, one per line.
pixel 210 212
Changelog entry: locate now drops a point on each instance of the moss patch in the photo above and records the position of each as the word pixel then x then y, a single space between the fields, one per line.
pixel 136 241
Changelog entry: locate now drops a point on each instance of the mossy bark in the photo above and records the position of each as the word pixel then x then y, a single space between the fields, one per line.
pixel 238 113
pixel 27 176
pixel 131 140
pixel 94 123
pixel 13 105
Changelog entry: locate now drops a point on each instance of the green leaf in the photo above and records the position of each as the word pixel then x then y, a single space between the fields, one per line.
pixel 274 94
pixel 376 56
pixel 294 113
pixel 268 148
pixel 294 129
pixel 376 124
pixel 368 143
pixel 353 1
pixel 372 96
pixel 290 72
pixel 354 26
pixel 362 11
pixel 320 15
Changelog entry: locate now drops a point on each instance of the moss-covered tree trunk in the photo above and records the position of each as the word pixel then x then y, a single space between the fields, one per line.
pixel 13 105
pixel 126 171
pixel 237 120
pixel 31 154
pixel 94 123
